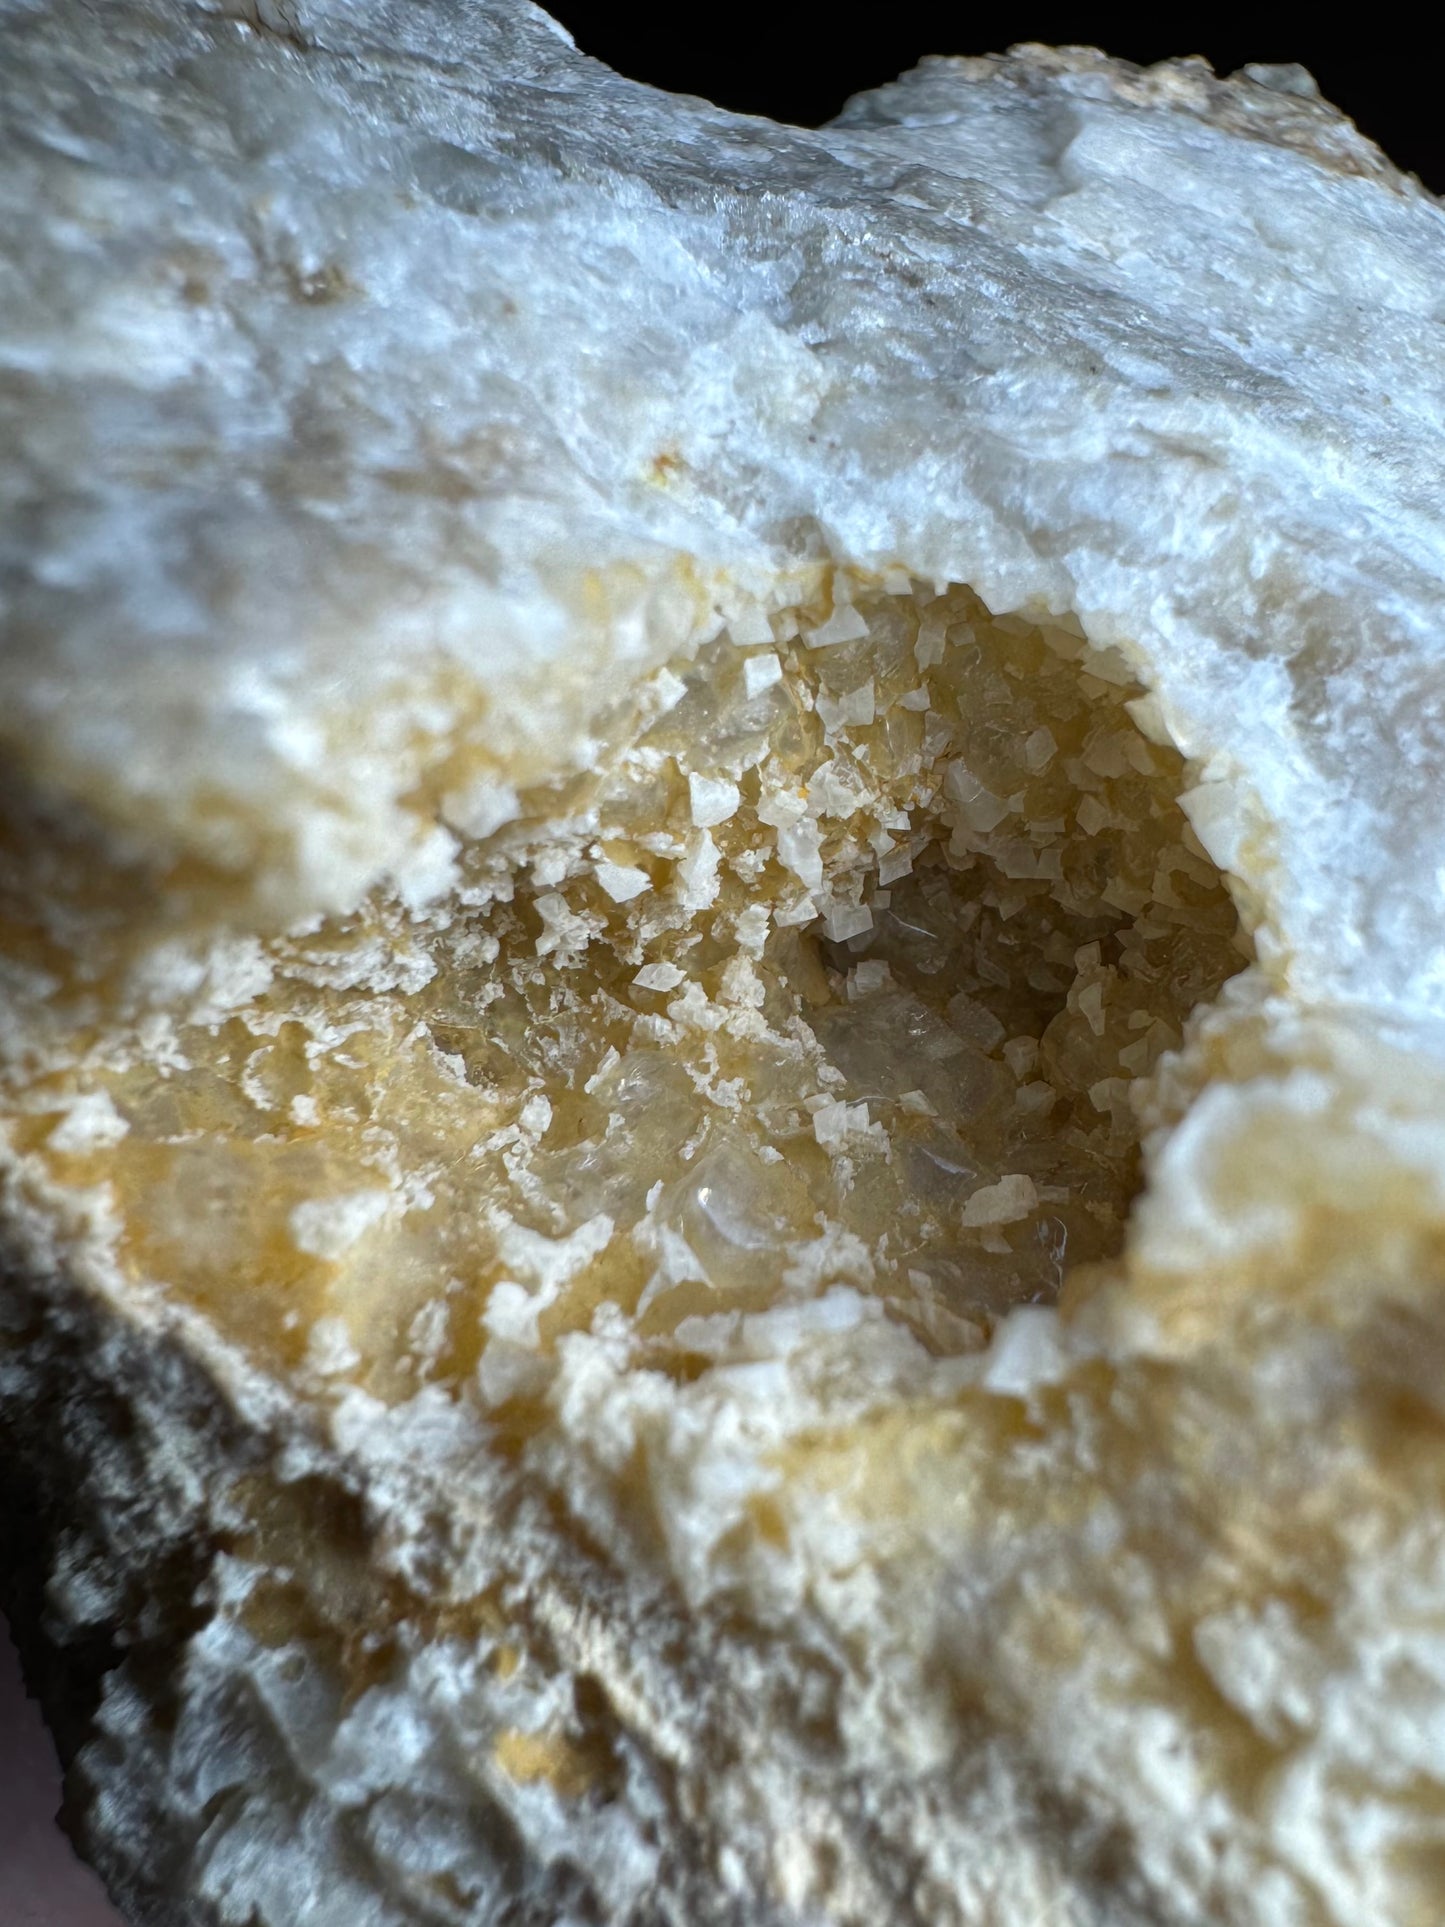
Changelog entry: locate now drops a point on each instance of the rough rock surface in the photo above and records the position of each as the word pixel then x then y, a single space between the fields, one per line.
pixel 722 1074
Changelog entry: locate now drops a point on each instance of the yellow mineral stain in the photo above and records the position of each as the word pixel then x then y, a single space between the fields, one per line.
pixel 547 1757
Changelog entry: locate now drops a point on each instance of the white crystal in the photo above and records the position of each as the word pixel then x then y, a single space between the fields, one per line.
pixel 761 672
pixel 622 881
pixel 329 1227
pixel 844 920
pixel 659 976
pixel 844 625
pixel 713 799
pixel 799 850
pixel 697 872
pixel 750 626
pixel 834 1123
pixel 1012 1198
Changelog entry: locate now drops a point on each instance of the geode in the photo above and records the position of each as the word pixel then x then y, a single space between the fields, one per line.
pixel 723 1048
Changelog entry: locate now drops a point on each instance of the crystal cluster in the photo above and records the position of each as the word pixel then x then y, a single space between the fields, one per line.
pixel 706 1216
pixel 841 964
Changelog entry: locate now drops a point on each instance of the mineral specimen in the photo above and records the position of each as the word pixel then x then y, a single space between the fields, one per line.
pixel 722 1081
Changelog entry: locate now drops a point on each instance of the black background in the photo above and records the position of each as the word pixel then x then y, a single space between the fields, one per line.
pixel 799 62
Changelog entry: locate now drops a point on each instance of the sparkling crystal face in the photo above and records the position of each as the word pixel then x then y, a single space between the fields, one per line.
pixel 840 966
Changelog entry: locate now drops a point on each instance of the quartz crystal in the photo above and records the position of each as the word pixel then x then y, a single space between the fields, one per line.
pixel 722 1063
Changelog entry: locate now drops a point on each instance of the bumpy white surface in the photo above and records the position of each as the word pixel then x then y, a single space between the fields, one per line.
pixel 412 362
